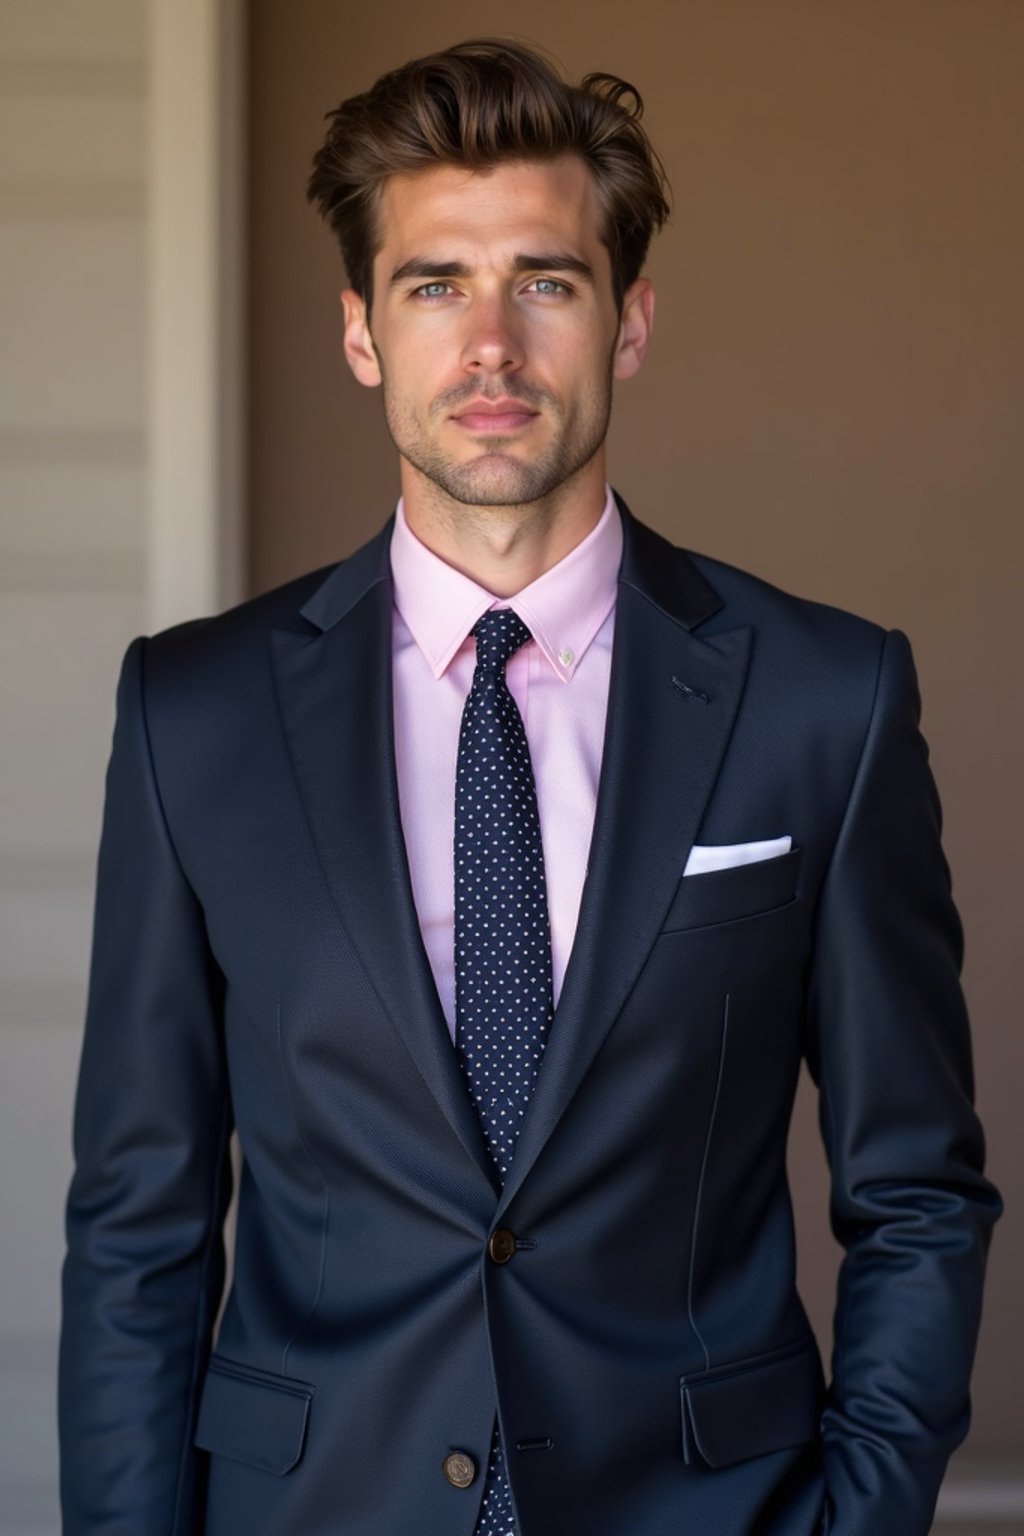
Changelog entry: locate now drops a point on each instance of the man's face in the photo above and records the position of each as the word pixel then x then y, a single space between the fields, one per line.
pixel 494 329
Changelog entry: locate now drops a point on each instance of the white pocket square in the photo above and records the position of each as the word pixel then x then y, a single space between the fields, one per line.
pixel 727 855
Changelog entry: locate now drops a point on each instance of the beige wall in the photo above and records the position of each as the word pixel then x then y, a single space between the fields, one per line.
pixel 833 399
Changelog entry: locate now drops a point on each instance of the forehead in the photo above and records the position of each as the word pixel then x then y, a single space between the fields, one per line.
pixel 552 200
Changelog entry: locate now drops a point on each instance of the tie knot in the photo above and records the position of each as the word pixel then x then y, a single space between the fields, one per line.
pixel 499 634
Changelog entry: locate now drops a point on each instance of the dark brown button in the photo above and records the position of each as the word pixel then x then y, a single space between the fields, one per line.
pixel 501 1245
pixel 459 1469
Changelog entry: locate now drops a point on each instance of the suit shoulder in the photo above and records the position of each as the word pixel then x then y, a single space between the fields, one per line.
pixel 227 642
pixel 821 659
pixel 785 616
pixel 715 596
pixel 213 668
pixel 215 655
pixel 242 624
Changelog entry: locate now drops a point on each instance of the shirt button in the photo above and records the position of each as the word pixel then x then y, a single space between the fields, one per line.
pixel 501 1245
pixel 459 1469
pixel 567 657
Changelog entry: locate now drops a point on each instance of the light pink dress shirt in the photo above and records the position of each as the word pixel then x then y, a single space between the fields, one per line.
pixel 559 680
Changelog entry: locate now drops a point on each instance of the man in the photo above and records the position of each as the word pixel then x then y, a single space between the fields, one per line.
pixel 494 882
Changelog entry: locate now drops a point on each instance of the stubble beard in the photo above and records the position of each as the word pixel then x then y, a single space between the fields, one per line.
pixel 497 478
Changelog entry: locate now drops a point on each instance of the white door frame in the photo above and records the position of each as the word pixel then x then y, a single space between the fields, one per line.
pixel 195 543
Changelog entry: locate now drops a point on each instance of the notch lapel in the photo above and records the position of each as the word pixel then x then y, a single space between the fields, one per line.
pixel 333 680
pixel 662 752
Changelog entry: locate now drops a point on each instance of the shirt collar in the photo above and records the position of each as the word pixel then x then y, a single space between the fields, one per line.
pixel 563 609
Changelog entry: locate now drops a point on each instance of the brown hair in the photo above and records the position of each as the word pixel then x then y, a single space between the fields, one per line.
pixel 476 105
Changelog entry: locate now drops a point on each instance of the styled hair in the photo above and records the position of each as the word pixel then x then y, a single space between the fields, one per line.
pixel 477 105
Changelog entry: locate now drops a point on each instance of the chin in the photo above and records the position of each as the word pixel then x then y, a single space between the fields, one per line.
pixel 493 478
pixel 496 490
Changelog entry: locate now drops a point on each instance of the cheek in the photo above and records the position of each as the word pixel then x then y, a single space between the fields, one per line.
pixel 587 379
pixel 407 374
pixel 579 348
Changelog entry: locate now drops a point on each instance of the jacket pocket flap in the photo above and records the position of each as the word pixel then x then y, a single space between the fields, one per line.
pixel 253 1416
pixel 767 1403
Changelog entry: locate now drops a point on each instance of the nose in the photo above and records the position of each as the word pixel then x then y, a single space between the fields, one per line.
pixel 493 342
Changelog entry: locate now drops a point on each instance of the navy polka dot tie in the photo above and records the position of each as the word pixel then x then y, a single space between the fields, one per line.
pixel 503 996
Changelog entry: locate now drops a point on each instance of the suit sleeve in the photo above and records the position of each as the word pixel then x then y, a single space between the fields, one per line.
pixel 145 1264
pixel 889 1045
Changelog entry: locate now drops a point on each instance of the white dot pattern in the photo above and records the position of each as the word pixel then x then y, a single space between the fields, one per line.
pixel 503 993
pixel 497 1516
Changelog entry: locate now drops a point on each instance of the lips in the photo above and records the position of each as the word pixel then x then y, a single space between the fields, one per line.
pixel 495 416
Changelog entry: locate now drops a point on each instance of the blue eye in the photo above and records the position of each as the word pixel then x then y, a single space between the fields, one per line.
pixel 549 285
pixel 437 290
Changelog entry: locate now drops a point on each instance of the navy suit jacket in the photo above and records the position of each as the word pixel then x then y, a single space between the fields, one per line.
pixel 257 963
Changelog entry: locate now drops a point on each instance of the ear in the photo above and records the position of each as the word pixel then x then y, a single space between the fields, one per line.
pixel 634 328
pixel 359 349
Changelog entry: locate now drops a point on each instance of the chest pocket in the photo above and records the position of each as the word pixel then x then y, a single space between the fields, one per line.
pixel 722 895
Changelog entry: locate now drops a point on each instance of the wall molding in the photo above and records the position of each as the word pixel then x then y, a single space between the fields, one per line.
pixel 88 572
pixel 30 1508
pixel 73 77
pixel 32 1353
pixel 35 447
pixel 50 200
pixel 41 869
pixel 196 294
pixel 40 1004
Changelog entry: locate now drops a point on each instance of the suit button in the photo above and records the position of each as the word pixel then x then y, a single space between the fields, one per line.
pixel 459 1469
pixel 501 1245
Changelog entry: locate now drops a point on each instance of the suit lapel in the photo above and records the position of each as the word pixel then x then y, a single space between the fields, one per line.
pixel 333 680
pixel 672 701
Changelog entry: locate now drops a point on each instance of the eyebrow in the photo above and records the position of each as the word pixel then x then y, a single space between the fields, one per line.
pixel 432 269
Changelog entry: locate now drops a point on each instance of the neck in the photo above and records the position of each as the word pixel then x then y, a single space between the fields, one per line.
pixel 504 548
